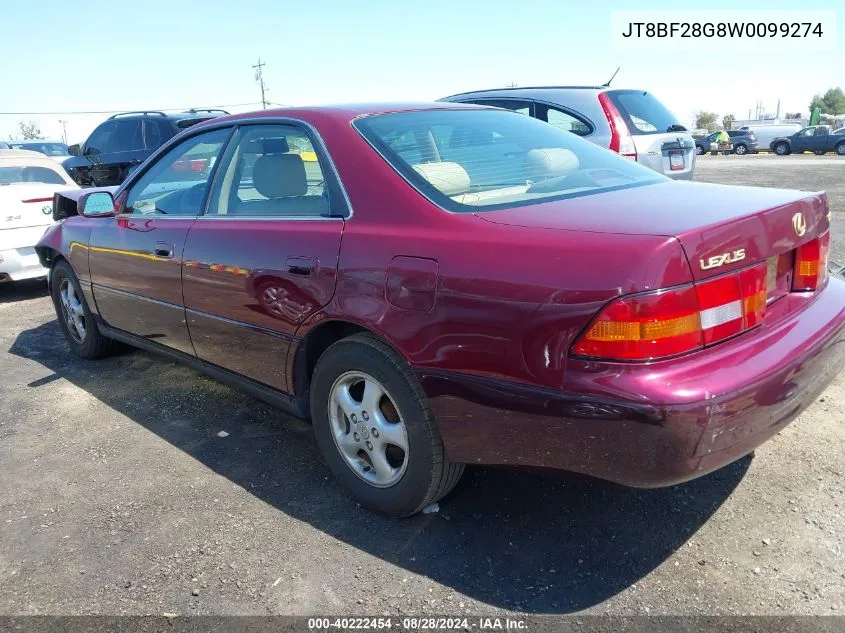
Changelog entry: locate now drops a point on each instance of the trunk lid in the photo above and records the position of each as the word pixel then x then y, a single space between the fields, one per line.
pixel 737 226
pixel 26 210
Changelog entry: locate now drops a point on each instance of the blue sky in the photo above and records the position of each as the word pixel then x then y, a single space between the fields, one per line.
pixel 80 56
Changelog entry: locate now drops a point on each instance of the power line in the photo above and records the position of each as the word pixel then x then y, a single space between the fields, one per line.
pixel 259 77
pixel 74 112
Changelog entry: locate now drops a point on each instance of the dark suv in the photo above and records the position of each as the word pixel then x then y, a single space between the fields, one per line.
pixel 124 141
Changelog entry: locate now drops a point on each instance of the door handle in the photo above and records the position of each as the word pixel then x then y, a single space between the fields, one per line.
pixel 164 250
pixel 301 265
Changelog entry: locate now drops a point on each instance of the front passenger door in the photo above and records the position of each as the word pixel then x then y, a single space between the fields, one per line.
pixel 135 258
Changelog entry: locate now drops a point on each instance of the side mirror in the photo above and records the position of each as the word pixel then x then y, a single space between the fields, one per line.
pixel 98 204
pixel 73 150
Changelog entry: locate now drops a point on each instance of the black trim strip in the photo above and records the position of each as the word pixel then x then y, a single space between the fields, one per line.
pixel 291 405
pixel 243 324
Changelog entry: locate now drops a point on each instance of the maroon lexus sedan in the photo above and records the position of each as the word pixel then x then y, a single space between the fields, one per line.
pixel 438 285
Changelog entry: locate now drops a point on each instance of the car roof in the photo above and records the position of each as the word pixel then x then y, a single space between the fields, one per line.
pixel 529 88
pixel 9 154
pixel 345 111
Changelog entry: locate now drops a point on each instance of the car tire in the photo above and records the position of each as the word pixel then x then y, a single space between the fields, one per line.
pixel 699 151
pixel 840 149
pixel 741 149
pixel 75 318
pixel 781 149
pixel 381 474
pixel 819 152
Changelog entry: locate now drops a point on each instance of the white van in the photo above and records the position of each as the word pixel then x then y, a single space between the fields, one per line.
pixel 766 133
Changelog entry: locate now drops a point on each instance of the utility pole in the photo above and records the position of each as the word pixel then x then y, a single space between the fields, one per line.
pixel 64 130
pixel 512 84
pixel 259 77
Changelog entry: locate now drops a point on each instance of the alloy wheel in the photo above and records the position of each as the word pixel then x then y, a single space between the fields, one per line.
pixel 72 311
pixel 368 429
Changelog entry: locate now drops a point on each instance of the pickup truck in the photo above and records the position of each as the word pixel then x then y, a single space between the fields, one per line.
pixel 818 139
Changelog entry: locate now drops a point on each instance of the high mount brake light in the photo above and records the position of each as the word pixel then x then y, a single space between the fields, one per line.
pixel 677 320
pixel 621 140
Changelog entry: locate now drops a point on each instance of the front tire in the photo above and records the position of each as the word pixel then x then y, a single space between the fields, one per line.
pixel 699 151
pixel 75 318
pixel 840 149
pixel 741 150
pixel 782 149
pixel 375 429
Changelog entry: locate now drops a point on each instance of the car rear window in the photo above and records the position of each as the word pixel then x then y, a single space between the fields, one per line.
pixel 471 160
pixel 29 174
pixel 643 113
pixel 49 149
pixel 186 123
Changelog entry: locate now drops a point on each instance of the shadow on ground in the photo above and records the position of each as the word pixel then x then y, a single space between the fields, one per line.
pixel 547 542
pixel 13 291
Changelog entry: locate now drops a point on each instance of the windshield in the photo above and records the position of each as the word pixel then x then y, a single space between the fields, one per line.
pixel 470 160
pixel 643 113
pixel 50 149
pixel 17 175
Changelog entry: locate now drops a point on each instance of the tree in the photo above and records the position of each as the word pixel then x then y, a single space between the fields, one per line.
pixel 832 102
pixel 29 130
pixel 706 120
pixel 727 121
pixel 793 115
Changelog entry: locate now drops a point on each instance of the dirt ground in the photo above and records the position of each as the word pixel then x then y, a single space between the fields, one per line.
pixel 133 485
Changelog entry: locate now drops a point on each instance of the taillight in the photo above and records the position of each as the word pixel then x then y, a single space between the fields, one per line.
pixel 621 140
pixel 811 264
pixel 678 320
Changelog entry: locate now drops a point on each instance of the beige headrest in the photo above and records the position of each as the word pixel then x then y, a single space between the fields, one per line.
pixel 279 176
pixel 448 178
pixel 549 163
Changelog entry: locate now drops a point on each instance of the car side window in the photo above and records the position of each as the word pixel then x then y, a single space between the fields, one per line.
pixel 562 120
pixel 270 170
pixel 127 136
pixel 152 135
pixel 100 141
pixel 176 184
pixel 808 132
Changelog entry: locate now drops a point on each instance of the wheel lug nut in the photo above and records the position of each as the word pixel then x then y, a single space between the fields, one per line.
pixel 354 418
pixel 369 446
pixel 355 435
pixel 365 415
pixel 374 431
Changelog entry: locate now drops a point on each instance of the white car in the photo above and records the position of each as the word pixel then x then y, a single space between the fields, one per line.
pixel 28 181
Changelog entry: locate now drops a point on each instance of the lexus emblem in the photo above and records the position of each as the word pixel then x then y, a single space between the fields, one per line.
pixel 799 224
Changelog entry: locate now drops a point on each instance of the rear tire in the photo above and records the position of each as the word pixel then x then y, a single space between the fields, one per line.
pixel 741 149
pixel 781 149
pixel 699 151
pixel 359 386
pixel 75 318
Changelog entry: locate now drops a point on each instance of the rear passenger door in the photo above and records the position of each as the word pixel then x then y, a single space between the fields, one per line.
pixel 264 256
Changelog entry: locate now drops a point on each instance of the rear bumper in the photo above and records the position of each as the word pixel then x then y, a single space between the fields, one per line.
pixel 20 263
pixel 658 424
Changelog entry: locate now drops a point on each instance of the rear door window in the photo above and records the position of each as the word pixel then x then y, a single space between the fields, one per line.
pixel 562 119
pixel 643 113
pixel 517 105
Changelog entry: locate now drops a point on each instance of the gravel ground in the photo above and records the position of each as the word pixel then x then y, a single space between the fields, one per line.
pixel 134 486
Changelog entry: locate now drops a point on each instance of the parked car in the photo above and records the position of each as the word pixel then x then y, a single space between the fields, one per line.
pixel 818 139
pixel 124 141
pixel 632 123
pixel 54 149
pixel 768 132
pixel 28 181
pixel 742 142
pixel 454 284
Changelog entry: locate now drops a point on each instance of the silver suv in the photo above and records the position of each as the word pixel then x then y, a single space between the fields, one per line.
pixel 631 122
